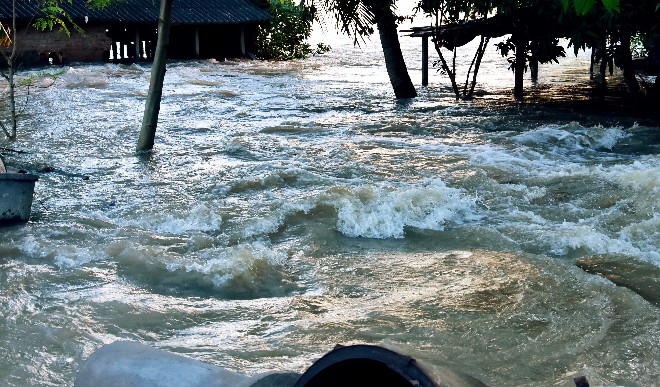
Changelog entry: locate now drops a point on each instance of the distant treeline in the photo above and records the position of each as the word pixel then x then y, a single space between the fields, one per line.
pixel 616 31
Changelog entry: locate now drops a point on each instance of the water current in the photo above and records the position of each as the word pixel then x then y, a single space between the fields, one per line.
pixel 292 206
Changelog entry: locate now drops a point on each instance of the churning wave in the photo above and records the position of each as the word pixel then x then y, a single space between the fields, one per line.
pixel 381 211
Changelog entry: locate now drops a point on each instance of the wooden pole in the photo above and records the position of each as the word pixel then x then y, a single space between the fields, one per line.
pixel 520 42
pixel 196 42
pixel 138 44
pixel 425 60
pixel 152 107
pixel 243 40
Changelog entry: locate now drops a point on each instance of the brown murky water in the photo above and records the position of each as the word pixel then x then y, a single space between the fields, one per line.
pixel 292 206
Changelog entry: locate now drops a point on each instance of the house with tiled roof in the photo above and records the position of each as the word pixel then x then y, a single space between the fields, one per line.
pixel 126 30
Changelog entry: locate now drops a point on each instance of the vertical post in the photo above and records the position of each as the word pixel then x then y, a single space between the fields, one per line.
pixel 196 42
pixel 425 60
pixel 152 107
pixel 138 44
pixel 243 40
pixel 520 41
pixel 534 68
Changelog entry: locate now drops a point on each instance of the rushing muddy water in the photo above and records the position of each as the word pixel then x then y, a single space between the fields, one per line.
pixel 292 206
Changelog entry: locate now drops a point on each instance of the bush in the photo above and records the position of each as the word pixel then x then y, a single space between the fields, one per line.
pixel 285 36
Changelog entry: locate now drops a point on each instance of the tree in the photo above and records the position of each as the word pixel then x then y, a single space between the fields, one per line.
pixel 609 28
pixel 534 28
pixel 447 14
pixel 152 107
pixel 583 7
pixel 356 18
pixel 285 36
pixel 7 35
pixel 53 16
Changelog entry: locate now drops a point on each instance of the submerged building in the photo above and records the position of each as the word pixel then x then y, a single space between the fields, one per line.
pixel 126 30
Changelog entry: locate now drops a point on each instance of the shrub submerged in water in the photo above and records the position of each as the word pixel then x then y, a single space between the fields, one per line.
pixel 285 36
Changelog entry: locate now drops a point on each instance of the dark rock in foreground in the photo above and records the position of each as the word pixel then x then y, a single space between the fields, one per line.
pixel 641 277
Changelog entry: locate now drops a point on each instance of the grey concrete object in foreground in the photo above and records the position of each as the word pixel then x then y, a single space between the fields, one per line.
pixel 128 363
pixel 16 193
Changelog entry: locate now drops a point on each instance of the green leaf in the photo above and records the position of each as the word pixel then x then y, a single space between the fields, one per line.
pixel 566 4
pixel 612 5
pixel 582 7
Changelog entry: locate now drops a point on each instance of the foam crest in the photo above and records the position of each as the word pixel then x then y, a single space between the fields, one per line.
pixel 384 212
pixel 586 236
pixel 521 162
pixel 200 217
pixel 279 178
pixel 642 179
pixel 643 174
pixel 243 271
pixel 62 256
pixel 260 226
pixel 645 234
pixel 75 78
pixel 573 136
pixel 639 239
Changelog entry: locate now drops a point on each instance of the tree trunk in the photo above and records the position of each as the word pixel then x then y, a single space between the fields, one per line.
pixel 389 40
pixel 629 75
pixel 534 69
pixel 10 130
pixel 13 122
pixel 152 107
pixel 480 54
pixel 521 49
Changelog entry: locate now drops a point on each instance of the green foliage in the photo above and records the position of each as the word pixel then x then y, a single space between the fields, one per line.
pixel 583 7
pixel 355 18
pixel 322 48
pixel 285 37
pixel 56 16
pixel 35 78
pixel 454 11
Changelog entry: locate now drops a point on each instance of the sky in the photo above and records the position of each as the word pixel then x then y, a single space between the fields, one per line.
pixel 329 35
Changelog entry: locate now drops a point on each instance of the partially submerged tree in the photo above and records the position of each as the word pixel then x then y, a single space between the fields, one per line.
pixel 52 16
pixel 534 28
pixel 448 14
pixel 357 17
pixel 152 107
pixel 285 36
pixel 9 40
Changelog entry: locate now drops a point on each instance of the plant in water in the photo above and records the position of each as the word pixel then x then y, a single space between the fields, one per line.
pixel 356 18
pixel 8 39
pixel 53 15
pixel 447 14
pixel 285 36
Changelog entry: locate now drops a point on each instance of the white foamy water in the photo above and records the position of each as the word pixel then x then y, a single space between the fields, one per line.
pixel 292 206
pixel 381 212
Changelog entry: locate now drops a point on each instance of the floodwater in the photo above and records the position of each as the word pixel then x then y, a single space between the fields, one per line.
pixel 292 206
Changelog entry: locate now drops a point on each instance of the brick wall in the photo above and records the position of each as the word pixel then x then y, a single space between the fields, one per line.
pixel 35 46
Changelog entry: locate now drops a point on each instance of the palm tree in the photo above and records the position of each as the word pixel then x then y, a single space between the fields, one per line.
pixel 356 18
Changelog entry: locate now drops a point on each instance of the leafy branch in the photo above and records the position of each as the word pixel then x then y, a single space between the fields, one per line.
pixel 55 16
pixel 583 7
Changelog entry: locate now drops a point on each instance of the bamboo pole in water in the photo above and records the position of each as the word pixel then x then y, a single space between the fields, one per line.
pixel 152 107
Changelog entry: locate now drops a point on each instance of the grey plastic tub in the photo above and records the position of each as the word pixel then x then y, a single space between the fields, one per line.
pixel 16 195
